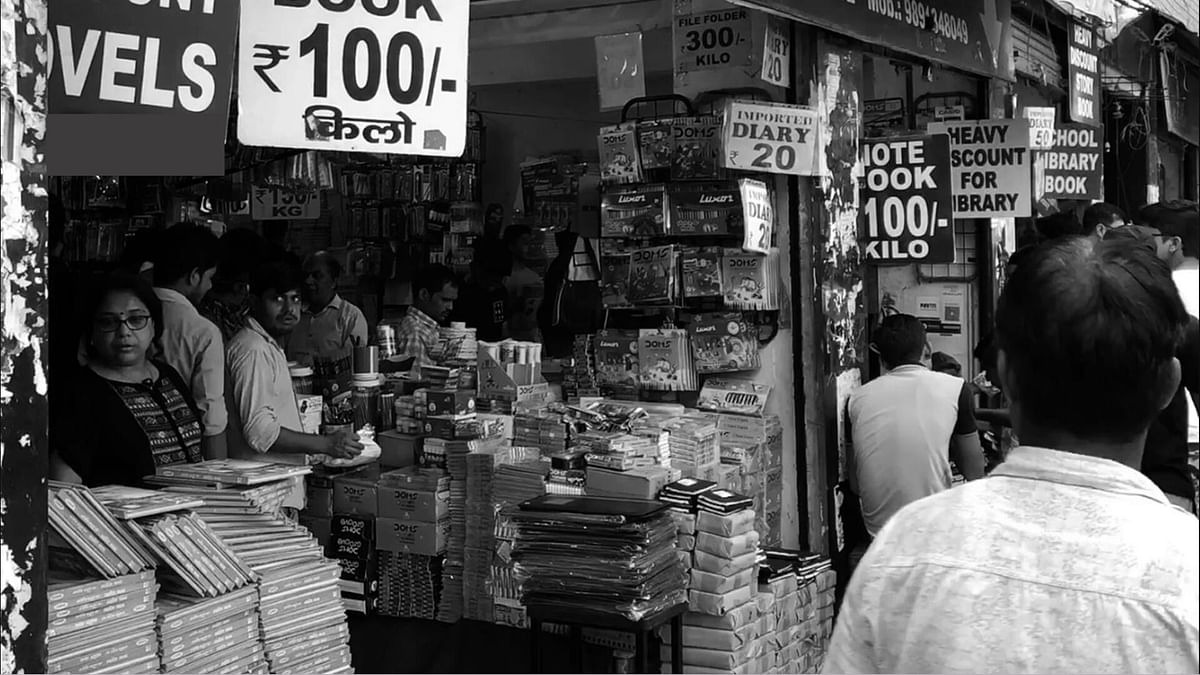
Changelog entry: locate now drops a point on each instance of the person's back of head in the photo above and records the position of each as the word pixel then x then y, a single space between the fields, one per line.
pixel 186 258
pixel 1087 332
pixel 1101 218
pixel 900 340
pixel 1057 226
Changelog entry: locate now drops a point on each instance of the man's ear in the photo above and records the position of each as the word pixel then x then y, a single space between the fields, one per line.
pixel 1168 382
pixel 195 277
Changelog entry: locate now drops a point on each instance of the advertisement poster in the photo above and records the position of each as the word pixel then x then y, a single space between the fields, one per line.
pixel 384 77
pixel 990 167
pixel 905 213
pixel 770 138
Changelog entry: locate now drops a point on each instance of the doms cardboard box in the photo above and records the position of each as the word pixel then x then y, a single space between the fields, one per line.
pixel 403 503
pixel 357 492
pixel 410 536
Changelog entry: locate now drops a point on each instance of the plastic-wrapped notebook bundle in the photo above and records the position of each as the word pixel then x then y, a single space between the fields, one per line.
pixel 228 472
pixel 101 625
pixel 749 280
pixel 195 561
pixel 87 539
pixel 480 535
pixel 453 600
pixel 303 619
pixel 619 160
pixel 724 343
pixel 694 445
pixel 614 279
pixel 617 362
pixel 213 635
pixel 410 586
pixel 665 360
pixel 608 556
pixel 654 275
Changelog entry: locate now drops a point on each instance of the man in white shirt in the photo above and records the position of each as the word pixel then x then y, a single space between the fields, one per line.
pixel 1066 559
pixel 264 416
pixel 184 265
pixel 330 328
pixel 907 425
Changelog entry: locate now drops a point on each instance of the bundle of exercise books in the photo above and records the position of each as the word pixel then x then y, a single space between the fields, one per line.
pixel 127 502
pixel 231 503
pixel 86 539
pixel 197 562
pixel 229 472
pixel 211 635
pixel 302 618
pixel 598 555
pixel 101 625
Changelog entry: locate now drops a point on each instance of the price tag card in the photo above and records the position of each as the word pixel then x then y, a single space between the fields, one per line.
pixel 1041 127
pixel 274 203
pixel 770 138
pixel 382 76
pixel 758 214
pixel 711 40
pixel 906 200
pixel 777 52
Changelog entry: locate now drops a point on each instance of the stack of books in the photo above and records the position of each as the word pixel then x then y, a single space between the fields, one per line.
pixel 217 635
pixel 197 562
pixel 101 625
pixel 86 539
pixel 453 599
pixel 480 534
pixel 303 620
pixel 410 585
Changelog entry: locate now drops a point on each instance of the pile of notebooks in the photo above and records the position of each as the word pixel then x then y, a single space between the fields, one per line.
pixel 86 539
pixel 598 555
pixel 101 625
pixel 214 635
pixel 480 534
pixel 453 599
pixel 302 618
pixel 196 561
pixel 410 585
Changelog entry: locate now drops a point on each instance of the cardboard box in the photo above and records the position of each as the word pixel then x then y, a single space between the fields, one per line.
pixel 409 536
pixel 449 402
pixel 360 570
pixel 319 502
pixel 350 525
pixel 398 450
pixel 450 428
pixel 348 547
pixel 356 492
pixel 407 504
pixel 320 527
pixel 641 483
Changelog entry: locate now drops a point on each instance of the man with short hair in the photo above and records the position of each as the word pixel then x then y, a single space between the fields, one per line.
pixel 264 415
pixel 1066 558
pixel 434 290
pixel 1101 218
pixel 330 328
pixel 183 270
pixel 526 289
pixel 907 425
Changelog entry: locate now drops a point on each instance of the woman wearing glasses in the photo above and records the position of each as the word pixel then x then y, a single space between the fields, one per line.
pixel 126 413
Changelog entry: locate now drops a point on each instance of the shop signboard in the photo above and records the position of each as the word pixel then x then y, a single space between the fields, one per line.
pixel 1041 127
pixel 1083 73
pixel 906 200
pixel 139 88
pixel 270 202
pixel 758 216
pixel 777 53
pixel 379 76
pixel 713 40
pixel 971 35
pixel 770 138
pixel 990 167
pixel 1073 168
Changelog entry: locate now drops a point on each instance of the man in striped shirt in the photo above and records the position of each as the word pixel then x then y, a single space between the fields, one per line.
pixel 434 290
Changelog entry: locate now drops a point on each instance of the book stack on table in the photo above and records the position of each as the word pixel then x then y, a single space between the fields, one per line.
pixel 214 635
pixel 101 625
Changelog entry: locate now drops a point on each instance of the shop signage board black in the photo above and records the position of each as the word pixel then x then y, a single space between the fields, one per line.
pixel 1074 167
pixel 905 200
pixel 270 202
pixel 1083 75
pixel 139 88
pixel 713 40
pixel 770 138
pixel 971 35
pixel 990 167
pixel 380 76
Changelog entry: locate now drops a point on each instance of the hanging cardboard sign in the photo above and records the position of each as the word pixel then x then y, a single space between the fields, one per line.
pixel 990 167
pixel 1041 127
pixel 620 72
pixel 1073 168
pixel 777 53
pixel 769 138
pixel 382 77
pixel 274 203
pixel 758 215
pixel 945 113
pixel 711 40
pixel 1083 70
pixel 129 79
pixel 906 200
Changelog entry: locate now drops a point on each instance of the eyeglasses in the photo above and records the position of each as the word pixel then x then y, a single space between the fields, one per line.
pixel 110 324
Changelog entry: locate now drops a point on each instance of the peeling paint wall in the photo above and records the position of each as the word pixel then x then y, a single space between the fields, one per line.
pixel 23 264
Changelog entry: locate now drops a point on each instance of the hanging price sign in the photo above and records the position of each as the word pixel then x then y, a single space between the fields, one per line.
pixel 777 52
pixel 273 203
pixel 905 216
pixel 712 40
pixel 769 138
pixel 758 215
pixel 382 76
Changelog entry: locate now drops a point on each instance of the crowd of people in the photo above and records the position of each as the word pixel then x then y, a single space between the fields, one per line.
pixel 1080 551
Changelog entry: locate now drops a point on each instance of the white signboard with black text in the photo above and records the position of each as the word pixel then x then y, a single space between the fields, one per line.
pixel 383 76
pixel 770 138
pixel 991 171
